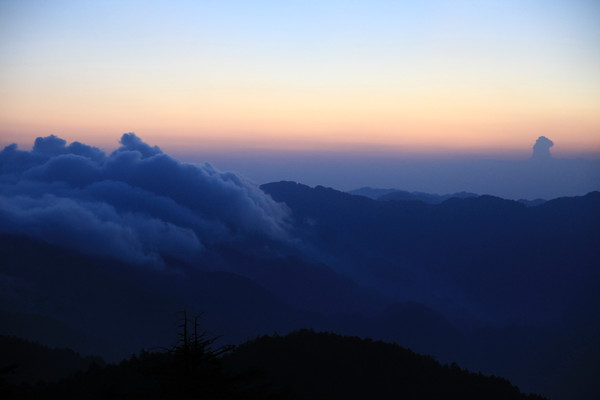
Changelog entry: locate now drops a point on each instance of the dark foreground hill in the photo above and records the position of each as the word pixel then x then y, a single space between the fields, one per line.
pixel 302 365
pixel 23 361
pixel 329 366
pixel 186 371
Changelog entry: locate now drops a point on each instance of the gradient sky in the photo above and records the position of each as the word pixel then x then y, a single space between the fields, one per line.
pixel 421 76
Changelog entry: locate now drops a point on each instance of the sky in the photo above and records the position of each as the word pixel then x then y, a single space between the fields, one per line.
pixel 224 78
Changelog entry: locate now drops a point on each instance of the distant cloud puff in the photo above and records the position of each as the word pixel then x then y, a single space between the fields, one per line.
pixel 138 204
pixel 541 148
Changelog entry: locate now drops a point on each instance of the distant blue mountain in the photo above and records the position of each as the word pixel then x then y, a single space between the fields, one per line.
pixel 429 198
pixel 424 197
pixel 371 193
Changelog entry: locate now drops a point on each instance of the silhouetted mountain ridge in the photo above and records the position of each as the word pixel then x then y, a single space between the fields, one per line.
pixel 301 365
pixel 32 362
pixel 324 366
pixel 430 198
pixel 466 234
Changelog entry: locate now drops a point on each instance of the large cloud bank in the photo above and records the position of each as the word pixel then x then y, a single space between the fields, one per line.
pixel 137 204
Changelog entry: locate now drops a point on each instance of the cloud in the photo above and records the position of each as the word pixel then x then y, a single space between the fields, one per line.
pixel 541 148
pixel 137 204
pixel 130 142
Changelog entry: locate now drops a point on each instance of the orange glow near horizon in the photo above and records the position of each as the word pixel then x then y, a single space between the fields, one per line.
pixel 423 127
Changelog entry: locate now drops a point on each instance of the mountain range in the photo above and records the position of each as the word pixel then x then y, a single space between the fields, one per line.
pixel 490 283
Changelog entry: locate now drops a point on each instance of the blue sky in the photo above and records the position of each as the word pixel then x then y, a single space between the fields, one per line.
pixel 303 74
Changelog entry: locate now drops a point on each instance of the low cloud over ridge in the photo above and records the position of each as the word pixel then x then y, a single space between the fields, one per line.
pixel 136 204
